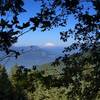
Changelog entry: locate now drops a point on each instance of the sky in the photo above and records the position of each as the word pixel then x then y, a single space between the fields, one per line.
pixel 42 38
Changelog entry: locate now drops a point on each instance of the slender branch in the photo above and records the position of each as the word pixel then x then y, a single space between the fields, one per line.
pixel 24 33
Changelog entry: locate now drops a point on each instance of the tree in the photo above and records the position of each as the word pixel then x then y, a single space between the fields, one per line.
pixel 19 81
pixel 6 88
pixel 86 34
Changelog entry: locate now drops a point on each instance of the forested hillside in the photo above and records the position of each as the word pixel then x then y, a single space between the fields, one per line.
pixel 51 82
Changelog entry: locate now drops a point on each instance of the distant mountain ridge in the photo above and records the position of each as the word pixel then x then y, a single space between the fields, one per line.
pixel 33 55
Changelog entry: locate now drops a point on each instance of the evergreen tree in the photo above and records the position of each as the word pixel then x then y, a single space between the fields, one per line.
pixel 18 78
pixel 6 89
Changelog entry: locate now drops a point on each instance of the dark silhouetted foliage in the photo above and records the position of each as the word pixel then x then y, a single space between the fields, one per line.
pixel 6 88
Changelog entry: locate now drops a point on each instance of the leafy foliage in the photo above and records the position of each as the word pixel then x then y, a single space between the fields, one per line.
pixel 82 73
pixel 52 14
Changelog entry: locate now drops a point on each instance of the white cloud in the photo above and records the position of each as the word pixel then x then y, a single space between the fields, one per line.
pixel 49 44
